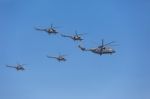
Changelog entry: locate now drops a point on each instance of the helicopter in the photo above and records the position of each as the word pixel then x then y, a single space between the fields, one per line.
pixel 50 30
pixel 18 67
pixel 58 58
pixel 102 49
pixel 75 37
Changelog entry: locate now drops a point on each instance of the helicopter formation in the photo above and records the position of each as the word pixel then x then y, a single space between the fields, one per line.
pixel 100 49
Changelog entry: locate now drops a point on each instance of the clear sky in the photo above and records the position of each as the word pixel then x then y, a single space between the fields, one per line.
pixel 123 75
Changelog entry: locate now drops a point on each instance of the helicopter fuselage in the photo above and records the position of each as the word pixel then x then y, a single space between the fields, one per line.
pixel 19 68
pixel 77 38
pixel 51 30
pixel 104 50
pixel 61 59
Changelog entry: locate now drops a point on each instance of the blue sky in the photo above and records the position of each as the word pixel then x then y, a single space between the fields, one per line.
pixel 123 75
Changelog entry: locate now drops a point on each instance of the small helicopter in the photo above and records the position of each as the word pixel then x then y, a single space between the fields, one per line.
pixel 50 30
pixel 18 67
pixel 59 58
pixel 102 49
pixel 75 37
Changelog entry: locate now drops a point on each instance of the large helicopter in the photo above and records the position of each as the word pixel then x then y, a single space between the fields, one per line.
pixel 102 49
pixel 59 57
pixel 75 37
pixel 18 67
pixel 50 30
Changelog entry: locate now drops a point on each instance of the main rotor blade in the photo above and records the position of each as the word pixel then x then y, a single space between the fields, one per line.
pixel 54 27
pixel 23 64
pixel 51 25
pixel 63 55
pixel 76 33
pixel 102 45
pixel 109 43
pixel 115 45
pixel 82 34
pixel 102 42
